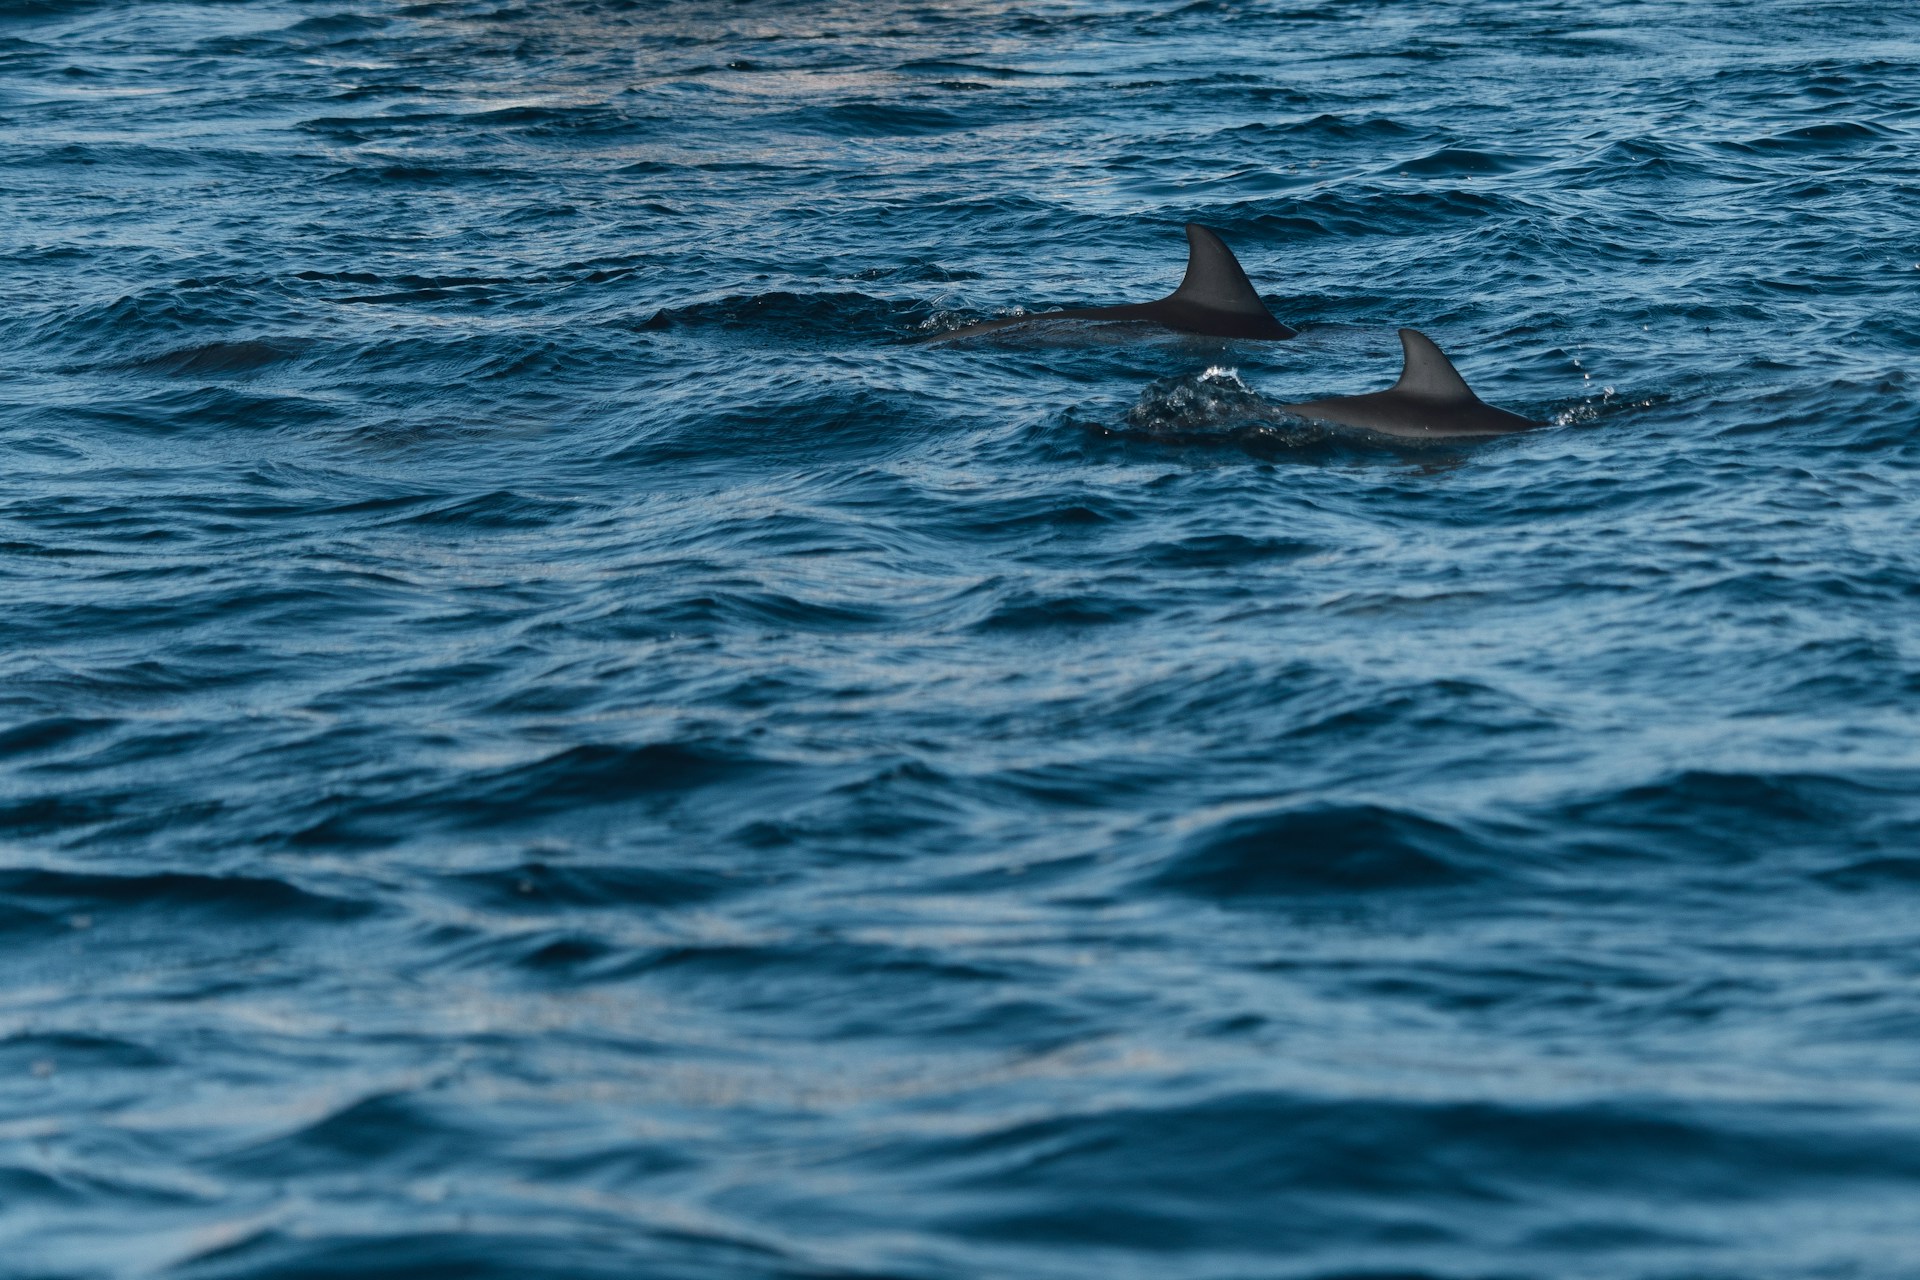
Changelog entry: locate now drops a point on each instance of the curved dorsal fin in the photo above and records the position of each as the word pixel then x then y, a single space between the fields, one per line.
pixel 1428 373
pixel 1214 279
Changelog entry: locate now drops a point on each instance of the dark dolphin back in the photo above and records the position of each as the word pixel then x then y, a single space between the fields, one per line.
pixel 1430 401
pixel 1215 298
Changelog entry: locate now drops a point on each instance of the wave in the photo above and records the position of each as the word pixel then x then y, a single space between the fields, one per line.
pixel 538 886
pixel 542 734
pixel 1728 816
pixel 807 317
pixel 1318 848
pixel 1464 161
pixel 1324 1177
pixel 571 781
pixel 1838 135
pixel 248 899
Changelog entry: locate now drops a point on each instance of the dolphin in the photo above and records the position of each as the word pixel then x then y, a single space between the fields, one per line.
pixel 1431 401
pixel 1215 299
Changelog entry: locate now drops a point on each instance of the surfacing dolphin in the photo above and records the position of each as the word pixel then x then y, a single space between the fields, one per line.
pixel 1215 299
pixel 1430 402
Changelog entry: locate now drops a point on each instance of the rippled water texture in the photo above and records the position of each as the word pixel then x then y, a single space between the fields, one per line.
pixel 542 736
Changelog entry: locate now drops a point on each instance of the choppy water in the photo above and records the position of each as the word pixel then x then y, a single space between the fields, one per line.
pixel 542 738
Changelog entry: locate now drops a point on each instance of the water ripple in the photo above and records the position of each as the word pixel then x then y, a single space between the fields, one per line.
pixel 543 733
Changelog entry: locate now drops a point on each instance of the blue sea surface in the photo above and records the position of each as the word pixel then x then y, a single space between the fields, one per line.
pixel 543 735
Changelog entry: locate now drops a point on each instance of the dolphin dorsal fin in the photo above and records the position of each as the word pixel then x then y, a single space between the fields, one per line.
pixel 1214 280
pixel 1428 373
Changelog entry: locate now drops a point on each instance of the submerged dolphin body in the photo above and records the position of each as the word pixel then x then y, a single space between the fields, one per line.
pixel 1215 299
pixel 1431 401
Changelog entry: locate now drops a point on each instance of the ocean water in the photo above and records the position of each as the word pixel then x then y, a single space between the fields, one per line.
pixel 541 735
